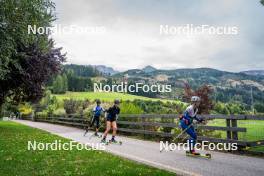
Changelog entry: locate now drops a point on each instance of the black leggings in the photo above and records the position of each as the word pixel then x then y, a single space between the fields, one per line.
pixel 97 120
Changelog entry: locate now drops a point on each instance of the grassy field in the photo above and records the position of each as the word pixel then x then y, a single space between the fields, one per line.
pixel 105 96
pixel 255 130
pixel 15 159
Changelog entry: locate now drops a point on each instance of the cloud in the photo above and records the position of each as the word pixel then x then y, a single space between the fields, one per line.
pixel 133 40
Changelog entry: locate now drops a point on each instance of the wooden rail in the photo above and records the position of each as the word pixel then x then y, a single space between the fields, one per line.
pixel 140 124
pixel 205 116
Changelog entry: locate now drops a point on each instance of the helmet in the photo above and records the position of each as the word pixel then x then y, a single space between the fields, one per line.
pixel 98 101
pixel 195 99
pixel 116 101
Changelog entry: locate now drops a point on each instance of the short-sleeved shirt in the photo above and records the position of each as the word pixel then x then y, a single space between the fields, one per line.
pixel 97 111
pixel 113 112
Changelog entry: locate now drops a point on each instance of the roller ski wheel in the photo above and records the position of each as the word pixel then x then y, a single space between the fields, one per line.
pixel 196 154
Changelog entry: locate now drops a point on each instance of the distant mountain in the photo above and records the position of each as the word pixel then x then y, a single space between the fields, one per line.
pixel 107 71
pixel 254 72
pixel 149 69
pixel 228 86
pixel 90 70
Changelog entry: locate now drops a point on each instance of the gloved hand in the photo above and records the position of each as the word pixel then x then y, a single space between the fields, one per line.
pixel 202 121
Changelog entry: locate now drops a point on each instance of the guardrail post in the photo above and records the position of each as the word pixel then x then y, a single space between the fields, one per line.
pixel 228 133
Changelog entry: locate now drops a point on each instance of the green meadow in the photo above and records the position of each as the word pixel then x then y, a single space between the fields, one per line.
pixel 255 130
pixel 105 96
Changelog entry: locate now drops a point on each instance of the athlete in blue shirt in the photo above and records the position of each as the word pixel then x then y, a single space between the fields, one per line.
pixel 98 110
pixel 187 120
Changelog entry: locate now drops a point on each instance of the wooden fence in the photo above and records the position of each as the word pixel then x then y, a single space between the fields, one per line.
pixel 140 124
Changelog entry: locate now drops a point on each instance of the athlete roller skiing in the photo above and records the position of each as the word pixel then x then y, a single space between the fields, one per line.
pixel 98 110
pixel 112 115
pixel 186 121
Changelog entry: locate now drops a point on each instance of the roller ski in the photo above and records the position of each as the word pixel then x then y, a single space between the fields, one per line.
pixel 103 141
pixel 114 142
pixel 196 154
pixel 95 135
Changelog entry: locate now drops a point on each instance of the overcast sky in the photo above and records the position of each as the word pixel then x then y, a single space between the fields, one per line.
pixel 132 36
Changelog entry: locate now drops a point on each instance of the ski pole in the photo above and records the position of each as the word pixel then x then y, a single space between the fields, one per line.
pixel 94 134
pixel 179 135
pixel 86 130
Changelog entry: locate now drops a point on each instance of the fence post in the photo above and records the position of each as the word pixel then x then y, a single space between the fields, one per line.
pixel 234 133
pixel 144 127
pixel 228 133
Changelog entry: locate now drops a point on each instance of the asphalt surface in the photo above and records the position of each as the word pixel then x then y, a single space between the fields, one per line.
pixel 176 161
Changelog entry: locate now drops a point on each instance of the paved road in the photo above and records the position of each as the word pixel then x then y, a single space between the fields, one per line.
pixel 148 152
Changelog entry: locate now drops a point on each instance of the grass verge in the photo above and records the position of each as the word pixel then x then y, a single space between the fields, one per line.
pixel 15 159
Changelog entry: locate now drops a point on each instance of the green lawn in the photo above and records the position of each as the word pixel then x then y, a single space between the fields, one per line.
pixel 15 159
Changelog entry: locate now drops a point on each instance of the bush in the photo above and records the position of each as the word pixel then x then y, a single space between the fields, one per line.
pixel 25 109
pixel 88 113
pixel 46 99
pixel 85 104
pixel 71 106
pixel 59 112
pixel 42 114
pixel 128 107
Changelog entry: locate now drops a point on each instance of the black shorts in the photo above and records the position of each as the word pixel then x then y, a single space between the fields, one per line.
pixel 111 119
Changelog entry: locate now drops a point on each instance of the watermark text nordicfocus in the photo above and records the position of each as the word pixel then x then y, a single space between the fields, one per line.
pixel 191 29
pixel 59 145
pixel 71 29
pixel 137 87
pixel 166 146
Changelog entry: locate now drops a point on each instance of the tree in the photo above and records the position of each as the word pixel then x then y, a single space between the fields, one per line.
pixel 60 84
pixel 65 83
pixel 204 93
pixel 57 85
pixel 262 2
pixel 28 60
pixel 259 107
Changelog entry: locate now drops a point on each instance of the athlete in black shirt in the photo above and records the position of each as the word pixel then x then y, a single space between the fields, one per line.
pixel 112 115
